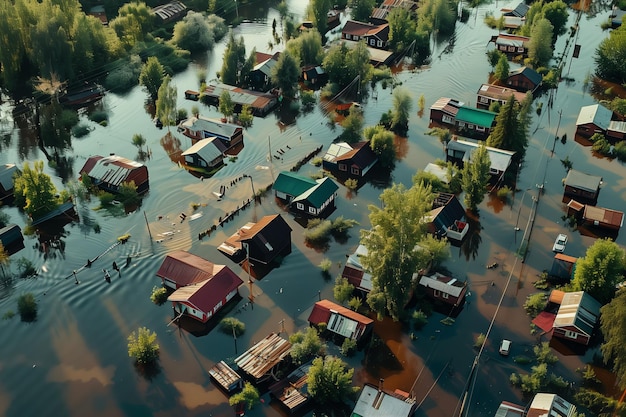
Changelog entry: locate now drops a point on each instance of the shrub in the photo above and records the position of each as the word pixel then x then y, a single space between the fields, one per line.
pixel 325 265
pixel 620 150
pixel 181 114
pixel 522 360
pixel 128 193
pixel 348 347
pixel 305 345
pixel 248 395
pixel 419 319
pixel 504 193
pixel 340 226
pixel 80 130
pixel 355 303
pixel 351 184
pixel 535 304
pixel 8 315
pixel 26 267
pixel 544 354
pixel 381 73
pixel 317 233
pixel 142 346
pixel 246 117
pixel 317 161
pixel 343 290
pixel 27 307
pixel 307 98
pixel 230 325
pixel 138 140
pixel 602 146
pixel 125 76
pixel 479 341
pixel 159 295
pixel 596 402
pixel 99 116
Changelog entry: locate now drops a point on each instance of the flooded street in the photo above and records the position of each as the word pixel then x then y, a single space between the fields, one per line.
pixel 73 360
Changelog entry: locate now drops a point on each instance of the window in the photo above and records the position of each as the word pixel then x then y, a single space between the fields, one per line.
pixel 447 119
pixel 483 99
pixel 493 171
pixel 312 210
pixel 379 44
pixel 520 49
pixel 444 295
pixel 372 41
pixel 461 124
pixel 343 167
pixel 480 128
pixel 300 206
pixel 511 49
pixel 470 126
pixel 356 171
pixel 436 293
pixel 570 334
pixel 347 36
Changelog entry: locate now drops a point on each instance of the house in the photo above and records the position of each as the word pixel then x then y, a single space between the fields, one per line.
pixel 507 409
pixel 474 122
pixel 616 131
pixel 305 195
pixel 563 267
pixel 205 156
pixel 511 44
pixel 593 119
pixel 519 11
pixel 170 12
pixel 447 217
pixel 192 95
pixel 82 95
pixel 12 238
pixel 341 320
pixel 377 402
pixel 313 75
pixel 375 36
pixel 582 186
pixel 259 103
pixel 262 242
pixel 355 273
pixel 438 171
pixel 260 360
pixel 445 110
pixel 292 391
pixel 99 13
pixel 513 22
pixel 380 13
pixel 603 217
pixel 110 172
pixel 577 317
pixel 616 17
pixel 226 377
pixel 200 127
pixel 352 159
pixel 524 79
pixel 443 288
pixel 181 268
pixel 490 93
pixel 262 70
pixel 377 56
pixel 551 405
pixel 459 151
pixel 7 172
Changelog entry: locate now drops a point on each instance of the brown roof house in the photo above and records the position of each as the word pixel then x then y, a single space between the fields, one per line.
pixel 200 127
pixel 582 186
pixel 593 119
pixel 563 267
pixel 444 110
pixel 511 44
pixel 110 172
pixel 260 103
pixel 446 289
pixel 380 13
pixel 524 79
pixel 355 159
pixel 577 317
pixel 341 320
pixel 375 36
pixel 202 288
pixel 490 93
pixel 261 242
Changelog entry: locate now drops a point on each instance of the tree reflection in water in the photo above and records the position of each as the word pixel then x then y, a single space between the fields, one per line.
pixel 471 243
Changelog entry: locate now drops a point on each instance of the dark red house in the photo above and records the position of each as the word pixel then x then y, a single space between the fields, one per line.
pixel 341 320
pixel 593 119
pixel 443 288
pixel 577 317
pixel 444 110
pixel 524 79
pixel 354 159
pixel 110 172
pixel 582 186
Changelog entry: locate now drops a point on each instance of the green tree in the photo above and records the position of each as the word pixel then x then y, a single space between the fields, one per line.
pixel 402 30
pixel 382 143
pixel 142 346
pixel 402 106
pixel 248 395
pixel 232 326
pixel 306 345
pixel 493 56
pixel 600 270
pixel 193 33
pixel 540 44
pixel 27 306
pixel 138 140
pixel 501 72
pixel 329 382
pixel 343 65
pixel 392 244
pixel 512 126
pixel 226 106
pixel 158 295
pixel 352 125
pixel 307 48
pixel 34 191
pixel 233 61
pixel 343 290
pixel 151 76
pixel 618 105
pixel 361 10
pixel 166 103
pixel 611 55
pixel 476 177
pixel 319 13
pixel 613 326
pixel 438 250
pixel 285 74
pixel 134 20
pixel 557 13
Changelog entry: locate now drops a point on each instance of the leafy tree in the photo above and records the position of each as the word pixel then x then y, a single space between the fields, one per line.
pixel 600 270
pixel 138 140
pixel 307 48
pixel 437 15
pixel 166 103
pixel 493 56
pixel 543 353
pixel 134 20
pixel 343 65
pixel 382 143
pixel 438 250
pixel 27 306
pixel 476 177
pixel 512 124
pixel 231 325
pixel 151 76
pixel 392 244
pixel 402 106
pixel 233 61
pixel 245 117
pixel 557 13
pixel 342 290
pixel 361 10
pixel 329 382
pixel 319 12
pixel 352 125
pixel 34 191
pixel 618 105
pixel 142 346
pixel 611 55
pixel 248 395
pixel 305 345
pixel 128 193
pixel 402 29
pixel 285 74
pixel 193 33
pixel 226 106
pixel 540 44
pixel 159 295
pixel 501 72
pixel 613 326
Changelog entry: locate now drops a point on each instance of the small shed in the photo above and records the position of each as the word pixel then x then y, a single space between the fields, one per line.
pixel 582 186
pixel 593 119
pixel 11 238
pixel 266 355
pixel 305 195
pixel 577 317
pixel 616 130
pixel 192 95
pixel 524 79
pixel 603 217
pixel 341 320
pixel 377 402
pixel 511 44
pixel 563 267
pixel 205 155
pixel 355 273
pixel 444 110
pixel 226 377
pixel 443 288
pixel 7 172
pixel 292 391
pixel 110 172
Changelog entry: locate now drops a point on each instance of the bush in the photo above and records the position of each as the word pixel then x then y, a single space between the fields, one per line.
pixel 419 319
pixel 381 73
pixel 479 341
pixel 348 347
pixel 106 199
pixel 325 265
pixel 504 193
pixel 159 295
pixel 128 193
pixel 27 307
pixel 340 226
pixel 317 161
pixel 351 184
pixel 544 354
pixel 307 98
pixel 245 118
pixel 596 402
pixel 230 325
pixel 125 76
pixel 305 345
pixel 602 146
pixel 620 150
pixel 99 116
pixel 80 130
pixel 535 303
pixel 142 346
pixel 318 232
pixel 355 303
pixel 248 395
pixel 26 267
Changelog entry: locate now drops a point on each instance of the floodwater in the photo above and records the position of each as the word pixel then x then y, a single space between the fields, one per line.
pixel 73 360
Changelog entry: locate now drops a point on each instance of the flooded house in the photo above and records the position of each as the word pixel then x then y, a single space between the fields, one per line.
pixel 508 409
pixel 264 357
pixel 380 13
pixel 205 156
pixel 593 119
pixel 375 36
pixel 304 195
pixel 524 79
pixel 616 131
pixel 545 404
pixel 7 172
pixel 582 186
pixel 262 70
pixel 602 217
pixel 459 151
pixel 198 128
pixel 475 123
pixel 490 93
pixel 438 171
pixel 376 402
pixel 447 218
pixel 355 273
pixel 12 238
pixel 313 75
pixel 291 392
pixel 576 318
pixel 109 172
pixel 355 159
pixel 519 11
pixel 226 377
pixel 511 44
pixel 341 321
pixel 443 288
pixel 444 110
pixel 563 267
pixel 378 56
pixel 260 103
pixel 169 12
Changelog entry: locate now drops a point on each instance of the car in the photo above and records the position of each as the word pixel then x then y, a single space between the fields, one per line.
pixel 559 243
pixel 505 347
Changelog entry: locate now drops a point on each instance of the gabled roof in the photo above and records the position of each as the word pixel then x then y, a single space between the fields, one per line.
pixel 112 169
pixel 185 268
pixel 377 56
pixel 440 172
pixel 322 311
pixel 478 117
pixel 544 405
pixel 529 73
pixel 617 126
pixel 511 40
pixel 498 92
pixel 6 176
pixel 241 96
pixel 374 402
pixel 263 356
pixel 603 215
pixel 361 154
pixel 293 184
pixel 335 150
pixel 508 409
pixel 500 158
pixel 213 127
pixel 582 181
pixel 443 283
pixel 208 149
pixel 447 105
pixel 357 28
pixel 596 114
pixel 446 209
pixel 264 226
pixel 519 11
pixel 267 65
pixel 580 310
pixel 205 295
pixel 319 193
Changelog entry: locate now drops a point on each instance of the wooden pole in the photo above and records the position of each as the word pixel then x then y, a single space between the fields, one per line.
pixel 147 224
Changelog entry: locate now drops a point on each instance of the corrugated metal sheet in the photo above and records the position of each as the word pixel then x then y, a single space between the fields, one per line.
pixel 113 169
pixel 185 268
pixel 263 356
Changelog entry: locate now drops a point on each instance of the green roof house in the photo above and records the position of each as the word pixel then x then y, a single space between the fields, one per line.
pixel 305 195
pixel 474 123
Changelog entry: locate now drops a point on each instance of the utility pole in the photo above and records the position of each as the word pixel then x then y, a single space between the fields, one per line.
pixel 147 224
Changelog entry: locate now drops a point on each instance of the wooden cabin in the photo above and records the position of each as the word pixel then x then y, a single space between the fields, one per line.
pixel 593 119
pixel 262 358
pixel 375 36
pixel 582 186
pixel 563 267
pixel 444 110
pixel 446 289
pixel 198 128
pixel 524 79
pixel 341 320
pixel 447 217
pixel 304 195
pixel 110 172
pixel 490 93
pixel 354 159
pixel 226 377
pixel 577 317
pixel 460 151
pixel 260 103
pixel 475 123
pixel 205 155
pixel 603 217
pixel 355 273
pixel 511 44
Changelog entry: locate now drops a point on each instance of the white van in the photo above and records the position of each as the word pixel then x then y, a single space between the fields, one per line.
pixel 505 347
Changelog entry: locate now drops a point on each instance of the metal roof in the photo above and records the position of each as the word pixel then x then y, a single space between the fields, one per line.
pixel 596 114
pixel 6 176
pixel 529 73
pixel 323 309
pixel 207 294
pixel 578 309
pixel 317 195
pixel 603 215
pixel 617 126
pixel 292 184
pixel 263 356
pixel 208 149
pixel 377 403
pixel 544 405
pixel 335 150
pixel 112 169
pixel 582 181
pixel 479 117
pixel 212 127
pixel 443 283
pixel 185 268
pixel 500 93
pixel 500 158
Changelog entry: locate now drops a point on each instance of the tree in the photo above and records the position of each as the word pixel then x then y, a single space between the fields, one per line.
pixel 361 10
pixel 402 30
pixel 142 346
pixel 476 177
pixel 438 249
pixel 226 106
pixel 329 382
pixel 352 125
pixel 285 74
pixel 501 72
pixel 306 48
pixel 306 345
pixel 248 395
pixel 343 65
pixel 540 44
pixel 512 125
pixel 138 140
pixel 343 290
pixel 557 13
pixel 151 76
pixel 613 326
pixel 34 191
pixel 493 56
pixel 393 246
pixel 234 60
pixel 382 143
pixel 611 55
pixel 159 295
pixel 319 11
pixel 166 103
pixel 600 270
pixel 193 33
pixel 402 106
pixel 27 306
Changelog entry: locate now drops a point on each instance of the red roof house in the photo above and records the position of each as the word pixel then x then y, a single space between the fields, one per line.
pixel 110 172
pixel 341 320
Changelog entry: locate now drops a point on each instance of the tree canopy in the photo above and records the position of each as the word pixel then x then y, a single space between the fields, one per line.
pixel 329 381
pixel 318 9
pixel 194 33
pixel 475 177
pixel 402 106
pixel 235 66
pixel 307 48
pixel 361 10
pixel 600 270
pixel 613 326
pixel 142 346
pixel 402 29
pixel 151 76
pixel 306 345
pixel 285 74
pixel 382 143
pixel 512 126
pixel 34 191
pixel 611 55
pixel 166 103
pixel 343 64
pixel 501 72
pixel 352 125
pixel 540 44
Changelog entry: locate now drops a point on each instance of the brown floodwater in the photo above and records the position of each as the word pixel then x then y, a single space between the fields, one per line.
pixel 73 359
